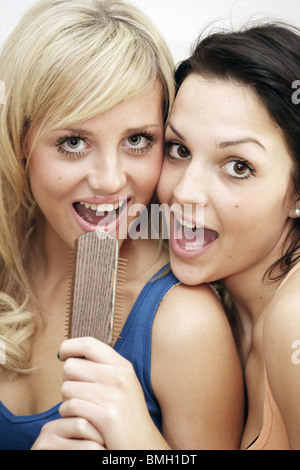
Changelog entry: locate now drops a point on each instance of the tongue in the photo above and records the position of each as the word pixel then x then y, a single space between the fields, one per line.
pixel 192 239
pixel 94 217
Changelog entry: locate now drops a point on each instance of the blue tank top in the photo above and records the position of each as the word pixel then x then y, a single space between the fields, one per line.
pixel 20 432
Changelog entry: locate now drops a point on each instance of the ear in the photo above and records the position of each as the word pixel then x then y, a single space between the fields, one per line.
pixel 295 211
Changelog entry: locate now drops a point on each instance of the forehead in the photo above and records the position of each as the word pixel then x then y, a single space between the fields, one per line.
pixel 148 103
pixel 213 93
pixel 225 104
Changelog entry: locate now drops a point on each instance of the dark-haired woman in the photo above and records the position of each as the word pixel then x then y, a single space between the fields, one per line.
pixel 233 148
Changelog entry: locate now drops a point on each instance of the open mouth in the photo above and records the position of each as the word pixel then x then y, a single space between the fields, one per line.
pixel 101 216
pixel 191 236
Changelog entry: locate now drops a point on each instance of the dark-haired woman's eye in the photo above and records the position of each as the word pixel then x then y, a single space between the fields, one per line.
pixel 176 151
pixel 239 169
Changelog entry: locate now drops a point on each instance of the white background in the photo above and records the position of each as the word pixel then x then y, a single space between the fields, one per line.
pixel 182 20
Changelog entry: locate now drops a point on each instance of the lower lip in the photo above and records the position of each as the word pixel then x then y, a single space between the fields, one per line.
pixel 188 250
pixel 109 228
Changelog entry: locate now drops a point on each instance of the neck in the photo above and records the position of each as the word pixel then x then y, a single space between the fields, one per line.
pixel 250 292
pixel 144 257
pixel 51 254
pixel 49 270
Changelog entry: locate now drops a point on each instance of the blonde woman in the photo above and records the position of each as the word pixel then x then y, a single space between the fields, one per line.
pixel 89 83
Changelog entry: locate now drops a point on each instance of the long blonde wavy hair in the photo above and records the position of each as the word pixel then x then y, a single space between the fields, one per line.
pixel 66 62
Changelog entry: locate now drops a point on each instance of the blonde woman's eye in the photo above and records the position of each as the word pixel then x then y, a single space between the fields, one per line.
pixel 74 143
pixel 137 141
pixel 73 146
pixel 140 143
pixel 239 169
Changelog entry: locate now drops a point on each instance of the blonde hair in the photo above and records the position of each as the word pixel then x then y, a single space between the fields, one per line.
pixel 66 62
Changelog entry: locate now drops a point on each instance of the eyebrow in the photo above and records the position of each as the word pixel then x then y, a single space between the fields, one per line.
pixel 224 144
pixel 139 130
pixel 245 140
pixel 130 130
pixel 173 129
pixel 77 130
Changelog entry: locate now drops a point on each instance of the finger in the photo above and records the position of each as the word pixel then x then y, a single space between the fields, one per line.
pixel 81 390
pixel 69 433
pixel 80 369
pixel 66 444
pixel 74 444
pixel 89 348
pixel 80 428
pixel 88 411
pixel 87 371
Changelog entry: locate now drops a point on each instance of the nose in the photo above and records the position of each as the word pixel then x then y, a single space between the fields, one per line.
pixel 107 174
pixel 193 186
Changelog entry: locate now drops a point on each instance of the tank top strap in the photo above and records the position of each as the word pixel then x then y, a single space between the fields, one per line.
pixel 289 274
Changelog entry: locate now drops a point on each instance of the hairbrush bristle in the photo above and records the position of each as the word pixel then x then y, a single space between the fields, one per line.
pixel 94 306
pixel 119 298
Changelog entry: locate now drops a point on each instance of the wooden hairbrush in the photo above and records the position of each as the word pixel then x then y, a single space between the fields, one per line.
pixel 97 286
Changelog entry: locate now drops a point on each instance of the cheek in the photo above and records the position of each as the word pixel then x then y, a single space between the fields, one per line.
pixel 147 176
pixel 41 182
pixel 48 181
pixel 252 226
pixel 166 184
pixel 237 216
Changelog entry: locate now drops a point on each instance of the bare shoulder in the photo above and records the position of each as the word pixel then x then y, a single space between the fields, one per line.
pixel 281 342
pixel 195 311
pixel 195 372
pixel 282 317
pixel 191 327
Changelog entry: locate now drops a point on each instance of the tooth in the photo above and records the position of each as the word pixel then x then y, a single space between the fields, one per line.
pixel 120 204
pixel 105 207
pixel 189 224
pixel 101 207
pixel 186 223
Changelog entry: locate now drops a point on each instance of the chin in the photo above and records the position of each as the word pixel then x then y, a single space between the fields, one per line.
pixel 188 275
